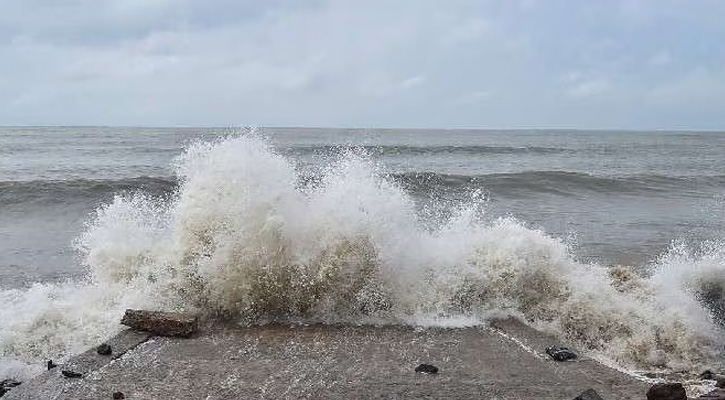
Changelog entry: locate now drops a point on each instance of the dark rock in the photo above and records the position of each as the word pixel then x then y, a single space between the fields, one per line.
pixel 589 394
pixel 118 396
pixel 161 323
pixel 9 383
pixel 104 349
pixel 71 374
pixel 707 375
pixel 666 391
pixel 720 383
pixel 560 353
pixel 51 364
pixel 426 369
pixel 6 385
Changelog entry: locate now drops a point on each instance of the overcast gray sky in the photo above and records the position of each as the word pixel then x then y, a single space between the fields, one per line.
pixel 636 64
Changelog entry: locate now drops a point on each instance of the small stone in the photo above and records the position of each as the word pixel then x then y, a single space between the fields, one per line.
pixel 104 349
pixel 426 369
pixel 51 364
pixel 589 394
pixel 666 391
pixel 118 396
pixel 71 374
pixel 707 375
pixel 561 353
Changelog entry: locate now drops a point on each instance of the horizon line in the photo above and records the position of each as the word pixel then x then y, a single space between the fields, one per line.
pixel 379 128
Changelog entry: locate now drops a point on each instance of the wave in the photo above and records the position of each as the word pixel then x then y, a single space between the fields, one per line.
pixel 503 185
pixel 240 239
pixel 563 183
pixel 62 191
pixel 398 150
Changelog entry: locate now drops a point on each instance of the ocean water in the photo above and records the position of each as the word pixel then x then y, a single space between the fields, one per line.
pixel 612 240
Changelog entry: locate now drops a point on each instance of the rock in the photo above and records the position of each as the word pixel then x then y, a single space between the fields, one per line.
pixel 6 385
pixel 589 394
pixel 104 349
pixel 720 383
pixel 161 323
pixel 71 374
pixel 51 364
pixel 426 369
pixel 707 375
pixel 118 396
pixel 561 353
pixel 9 383
pixel 666 391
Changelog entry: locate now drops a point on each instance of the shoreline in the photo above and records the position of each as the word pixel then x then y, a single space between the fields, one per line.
pixel 505 360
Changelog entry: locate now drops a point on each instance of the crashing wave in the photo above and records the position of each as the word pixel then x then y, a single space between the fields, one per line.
pixel 241 240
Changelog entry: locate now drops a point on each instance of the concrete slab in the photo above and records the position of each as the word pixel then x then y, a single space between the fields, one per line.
pixel 321 361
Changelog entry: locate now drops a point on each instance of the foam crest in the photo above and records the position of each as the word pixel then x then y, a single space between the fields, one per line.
pixel 240 239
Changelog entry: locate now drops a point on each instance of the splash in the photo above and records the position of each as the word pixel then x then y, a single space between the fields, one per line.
pixel 241 239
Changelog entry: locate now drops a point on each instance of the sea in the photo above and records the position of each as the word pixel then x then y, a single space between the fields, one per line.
pixel 613 241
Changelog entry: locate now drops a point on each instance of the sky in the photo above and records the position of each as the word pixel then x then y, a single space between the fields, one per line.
pixel 587 64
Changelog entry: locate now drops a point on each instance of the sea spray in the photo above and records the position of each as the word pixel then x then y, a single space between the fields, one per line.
pixel 241 239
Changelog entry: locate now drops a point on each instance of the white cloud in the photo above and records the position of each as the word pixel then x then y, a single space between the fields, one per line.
pixel 589 88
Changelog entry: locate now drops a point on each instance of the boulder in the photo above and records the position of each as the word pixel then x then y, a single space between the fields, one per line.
pixel 161 323
pixel 560 353
pixel 50 364
pixel 426 369
pixel 118 396
pixel 589 394
pixel 666 391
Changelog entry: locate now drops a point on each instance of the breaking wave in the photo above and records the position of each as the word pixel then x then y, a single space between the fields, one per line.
pixel 240 239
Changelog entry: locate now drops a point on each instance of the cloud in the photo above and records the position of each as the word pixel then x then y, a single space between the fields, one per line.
pixel 588 88
pixel 349 63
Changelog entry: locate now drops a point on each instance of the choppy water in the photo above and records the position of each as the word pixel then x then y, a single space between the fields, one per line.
pixel 366 225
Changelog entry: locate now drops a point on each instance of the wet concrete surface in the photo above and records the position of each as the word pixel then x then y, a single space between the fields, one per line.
pixel 504 361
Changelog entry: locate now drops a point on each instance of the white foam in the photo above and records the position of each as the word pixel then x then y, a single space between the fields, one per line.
pixel 241 240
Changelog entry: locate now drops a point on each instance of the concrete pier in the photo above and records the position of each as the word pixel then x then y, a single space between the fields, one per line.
pixel 504 361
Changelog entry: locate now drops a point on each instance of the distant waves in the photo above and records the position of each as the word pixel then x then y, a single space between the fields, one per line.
pixel 419 184
pixel 50 192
